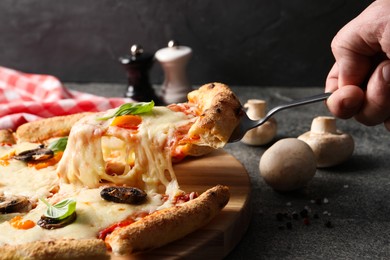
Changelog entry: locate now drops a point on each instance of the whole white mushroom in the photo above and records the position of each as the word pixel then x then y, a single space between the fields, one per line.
pixel 330 145
pixel 287 165
pixel 262 134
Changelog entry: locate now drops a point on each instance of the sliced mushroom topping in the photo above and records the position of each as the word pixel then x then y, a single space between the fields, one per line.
pixel 38 154
pixel 127 195
pixel 14 204
pixel 52 223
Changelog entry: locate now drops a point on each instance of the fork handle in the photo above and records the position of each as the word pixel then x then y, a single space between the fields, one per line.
pixel 295 103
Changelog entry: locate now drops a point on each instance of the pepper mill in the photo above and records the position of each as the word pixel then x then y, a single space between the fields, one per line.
pixel 137 66
pixel 173 60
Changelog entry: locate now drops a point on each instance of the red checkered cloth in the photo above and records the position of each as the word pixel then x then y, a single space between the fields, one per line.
pixel 29 97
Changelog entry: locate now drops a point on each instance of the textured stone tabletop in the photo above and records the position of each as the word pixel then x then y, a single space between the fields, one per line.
pixel 352 198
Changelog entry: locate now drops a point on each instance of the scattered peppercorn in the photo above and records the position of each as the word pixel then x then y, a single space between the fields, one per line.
pixel 304 213
pixel 289 225
pixel 306 221
pixel 279 216
pixel 281 227
pixel 328 224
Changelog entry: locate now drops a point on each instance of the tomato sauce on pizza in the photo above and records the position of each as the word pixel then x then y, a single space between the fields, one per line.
pixel 106 180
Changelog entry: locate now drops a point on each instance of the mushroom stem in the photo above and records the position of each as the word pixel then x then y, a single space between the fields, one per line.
pixel 324 124
pixel 256 108
pixel 330 145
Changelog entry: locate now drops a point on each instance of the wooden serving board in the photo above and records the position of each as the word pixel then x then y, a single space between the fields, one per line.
pixel 220 236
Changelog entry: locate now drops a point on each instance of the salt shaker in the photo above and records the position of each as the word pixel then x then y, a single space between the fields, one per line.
pixel 173 60
pixel 137 66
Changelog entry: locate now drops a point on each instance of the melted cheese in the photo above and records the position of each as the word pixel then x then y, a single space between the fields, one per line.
pixel 92 145
pixel 84 163
pixel 93 214
pixel 17 179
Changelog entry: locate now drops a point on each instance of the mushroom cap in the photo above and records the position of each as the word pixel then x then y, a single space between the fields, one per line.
pixel 287 165
pixel 330 146
pixel 330 149
pixel 261 135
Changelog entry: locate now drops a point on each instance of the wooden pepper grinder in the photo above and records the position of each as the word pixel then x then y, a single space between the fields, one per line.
pixel 173 60
pixel 137 66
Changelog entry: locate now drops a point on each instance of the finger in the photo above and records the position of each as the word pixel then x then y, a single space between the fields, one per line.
pixel 387 124
pixel 355 45
pixel 376 108
pixel 353 56
pixel 331 83
pixel 346 101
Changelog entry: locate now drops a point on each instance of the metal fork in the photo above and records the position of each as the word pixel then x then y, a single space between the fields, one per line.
pixel 247 124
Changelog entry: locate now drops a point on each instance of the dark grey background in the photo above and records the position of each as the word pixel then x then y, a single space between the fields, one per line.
pixel 263 42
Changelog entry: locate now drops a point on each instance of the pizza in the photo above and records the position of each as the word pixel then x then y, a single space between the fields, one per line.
pixel 95 184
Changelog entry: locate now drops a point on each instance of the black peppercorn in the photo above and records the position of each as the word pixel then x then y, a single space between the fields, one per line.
pixel 304 213
pixel 289 225
pixel 279 216
pixel 328 224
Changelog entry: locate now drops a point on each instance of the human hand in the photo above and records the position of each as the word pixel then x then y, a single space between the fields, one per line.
pixel 360 77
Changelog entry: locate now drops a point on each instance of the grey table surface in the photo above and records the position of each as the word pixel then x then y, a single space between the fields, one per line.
pixel 356 192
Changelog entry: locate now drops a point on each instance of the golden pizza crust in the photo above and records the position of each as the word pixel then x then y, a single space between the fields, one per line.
pixel 7 136
pixel 60 249
pixel 167 225
pixel 152 231
pixel 41 130
pixel 221 112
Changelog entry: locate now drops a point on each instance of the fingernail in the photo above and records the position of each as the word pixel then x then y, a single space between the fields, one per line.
pixel 386 72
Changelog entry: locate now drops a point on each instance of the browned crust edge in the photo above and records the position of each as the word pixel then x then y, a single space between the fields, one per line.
pixel 56 249
pixel 165 226
pixel 220 116
pixel 41 130
pixel 7 136
pixel 221 110
pixel 155 230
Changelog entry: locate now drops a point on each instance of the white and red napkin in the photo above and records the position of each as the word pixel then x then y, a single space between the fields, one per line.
pixel 29 97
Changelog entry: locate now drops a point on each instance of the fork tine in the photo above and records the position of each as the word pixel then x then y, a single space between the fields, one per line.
pixel 246 123
pixel 243 126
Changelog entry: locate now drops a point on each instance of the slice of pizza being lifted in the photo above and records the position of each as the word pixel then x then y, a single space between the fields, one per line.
pixel 113 187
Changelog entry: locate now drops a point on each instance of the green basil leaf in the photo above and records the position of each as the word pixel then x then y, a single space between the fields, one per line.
pixel 60 210
pixel 59 144
pixel 131 109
